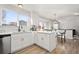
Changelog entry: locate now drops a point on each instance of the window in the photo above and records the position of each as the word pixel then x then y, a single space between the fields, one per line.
pixel 12 18
pixel 23 20
pixel 9 18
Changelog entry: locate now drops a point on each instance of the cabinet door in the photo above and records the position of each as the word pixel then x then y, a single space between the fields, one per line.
pixel 53 41
pixel 16 43
pixel 21 40
pixel 46 41
pixel 27 39
pixel 43 40
pixel 40 39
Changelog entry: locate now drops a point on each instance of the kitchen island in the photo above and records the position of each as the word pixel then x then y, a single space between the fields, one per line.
pixel 47 40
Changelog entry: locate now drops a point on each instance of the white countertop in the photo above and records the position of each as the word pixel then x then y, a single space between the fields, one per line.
pixel 47 32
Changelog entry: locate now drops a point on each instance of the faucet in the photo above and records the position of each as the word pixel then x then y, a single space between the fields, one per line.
pixel 20 28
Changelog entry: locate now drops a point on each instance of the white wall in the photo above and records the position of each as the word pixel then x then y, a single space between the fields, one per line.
pixel 69 22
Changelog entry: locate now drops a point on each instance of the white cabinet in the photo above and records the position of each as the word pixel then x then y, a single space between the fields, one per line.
pixel 47 41
pixel 21 40
pixel 16 42
pixel 43 40
pixel 27 39
pixel 53 41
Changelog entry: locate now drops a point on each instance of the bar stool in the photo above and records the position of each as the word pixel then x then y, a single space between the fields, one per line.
pixel 61 34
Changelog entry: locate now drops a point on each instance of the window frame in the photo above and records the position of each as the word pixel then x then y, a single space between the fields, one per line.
pixel 17 16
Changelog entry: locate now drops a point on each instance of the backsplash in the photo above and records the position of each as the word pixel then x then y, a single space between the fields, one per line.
pixel 8 29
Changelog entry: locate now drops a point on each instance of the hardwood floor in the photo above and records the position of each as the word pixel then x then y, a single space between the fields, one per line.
pixel 69 47
pixel 34 49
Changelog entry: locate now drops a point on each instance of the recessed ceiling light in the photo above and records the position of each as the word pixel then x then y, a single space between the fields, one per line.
pixel 20 5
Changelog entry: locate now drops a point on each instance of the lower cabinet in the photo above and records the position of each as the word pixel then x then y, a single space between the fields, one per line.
pixel 20 41
pixel 53 41
pixel 43 40
pixel 47 41
pixel 27 39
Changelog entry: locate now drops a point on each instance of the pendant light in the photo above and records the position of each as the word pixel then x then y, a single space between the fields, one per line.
pixel 55 23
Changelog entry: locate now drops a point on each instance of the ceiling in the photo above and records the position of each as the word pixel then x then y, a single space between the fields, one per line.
pixel 52 11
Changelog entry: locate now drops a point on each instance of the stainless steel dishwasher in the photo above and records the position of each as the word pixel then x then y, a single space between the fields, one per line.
pixel 5 44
